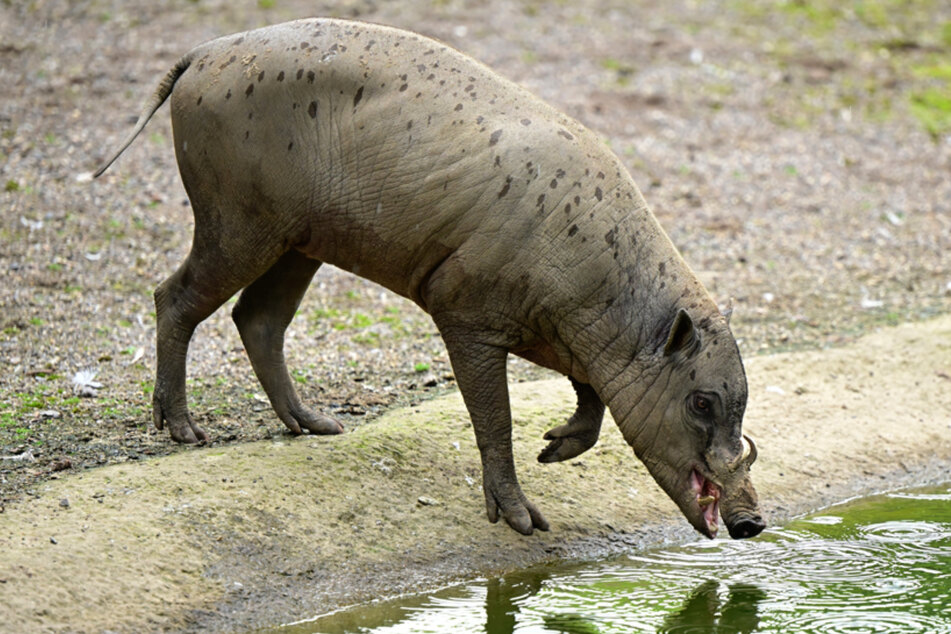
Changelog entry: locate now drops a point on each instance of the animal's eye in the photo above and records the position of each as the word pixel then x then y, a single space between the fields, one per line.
pixel 702 404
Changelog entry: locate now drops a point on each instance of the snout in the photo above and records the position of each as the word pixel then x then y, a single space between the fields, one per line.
pixel 746 527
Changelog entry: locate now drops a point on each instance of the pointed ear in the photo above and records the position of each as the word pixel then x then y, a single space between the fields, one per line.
pixel 682 334
pixel 727 310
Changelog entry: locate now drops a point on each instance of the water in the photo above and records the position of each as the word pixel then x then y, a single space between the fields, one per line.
pixel 879 564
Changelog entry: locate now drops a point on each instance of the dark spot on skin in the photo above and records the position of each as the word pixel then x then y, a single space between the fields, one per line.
pixel 598 193
pixel 584 238
pixel 526 122
pixel 300 73
pixel 494 138
pixel 573 230
pixel 662 268
pixel 358 96
pixel 409 125
pixel 261 76
pixel 601 175
pixel 480 119
pixel 568 208
pixel 229 62
pixel 290 146
pixel 498 161
pixel 577 200
pixel 404 87
pixel 228 94
pixel 312 109
pixel 247 133
pixel 505 188
pixel 554 183
pixel 559 173
pixel 311 77
pixel 431 77
pixel 199 100
pixel 458 107
pixel 304 45
pixel 237 41
pixel 566 134
pixel 421 68
pixel 247 93
pixel 609 237
pixel 540 201
pixel 369 45
pixel 725 388
pixel 250 116
pixel 693 375
pixel 280 76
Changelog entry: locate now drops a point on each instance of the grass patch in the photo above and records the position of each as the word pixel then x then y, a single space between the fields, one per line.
pixel 932 108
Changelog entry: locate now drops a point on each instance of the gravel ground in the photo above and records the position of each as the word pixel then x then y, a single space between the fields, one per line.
pixel 798 153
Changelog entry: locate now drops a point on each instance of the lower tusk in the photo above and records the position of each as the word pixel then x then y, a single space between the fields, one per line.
pixel 706 500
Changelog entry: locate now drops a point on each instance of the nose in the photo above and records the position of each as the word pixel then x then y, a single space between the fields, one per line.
pixel 746 527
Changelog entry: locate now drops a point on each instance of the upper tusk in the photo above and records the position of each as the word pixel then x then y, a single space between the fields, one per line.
pixel 748 457
pixel 751 456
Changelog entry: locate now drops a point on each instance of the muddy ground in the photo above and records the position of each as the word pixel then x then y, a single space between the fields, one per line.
pixel 798 153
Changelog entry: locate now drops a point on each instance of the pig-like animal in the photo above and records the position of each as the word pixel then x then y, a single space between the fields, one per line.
pixel 393 156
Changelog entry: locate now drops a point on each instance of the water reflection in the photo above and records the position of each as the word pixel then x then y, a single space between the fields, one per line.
pixel 702 613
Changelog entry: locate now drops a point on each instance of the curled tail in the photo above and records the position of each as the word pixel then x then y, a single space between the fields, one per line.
pixel 161 93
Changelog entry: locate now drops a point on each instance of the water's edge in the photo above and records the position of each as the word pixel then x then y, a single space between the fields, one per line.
pixel 881 561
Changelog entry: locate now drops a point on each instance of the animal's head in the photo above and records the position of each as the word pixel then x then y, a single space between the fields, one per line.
pixel 684 423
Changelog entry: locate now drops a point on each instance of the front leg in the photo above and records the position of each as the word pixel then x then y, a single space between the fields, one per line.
pixel 581 431
pixel 480 373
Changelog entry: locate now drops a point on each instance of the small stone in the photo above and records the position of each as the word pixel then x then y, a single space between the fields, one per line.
pixel 426 501
pixel 64 503
pixel 53 540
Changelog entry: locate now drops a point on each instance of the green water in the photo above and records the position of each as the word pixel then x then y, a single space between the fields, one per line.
pixel 879 564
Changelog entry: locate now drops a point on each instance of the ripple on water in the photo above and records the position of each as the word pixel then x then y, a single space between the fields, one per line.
pixel 907 532
pixel 862 622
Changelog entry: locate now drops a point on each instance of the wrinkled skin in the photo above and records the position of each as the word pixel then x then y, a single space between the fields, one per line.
pixel 397 158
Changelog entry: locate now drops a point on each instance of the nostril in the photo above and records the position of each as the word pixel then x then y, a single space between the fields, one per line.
pixel 750 527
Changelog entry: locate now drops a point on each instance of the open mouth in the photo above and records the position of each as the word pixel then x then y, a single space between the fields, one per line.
pixel 708 499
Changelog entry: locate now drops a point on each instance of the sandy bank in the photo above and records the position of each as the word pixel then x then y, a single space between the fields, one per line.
pixel 236 537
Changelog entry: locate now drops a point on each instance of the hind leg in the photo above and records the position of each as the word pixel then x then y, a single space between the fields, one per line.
pixel 262 314
pixel 200 285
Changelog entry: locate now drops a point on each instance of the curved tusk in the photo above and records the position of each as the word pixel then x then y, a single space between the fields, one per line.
pixel 751 456
pixel 747 457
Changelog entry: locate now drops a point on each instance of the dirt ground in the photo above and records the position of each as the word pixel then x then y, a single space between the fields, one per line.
pixel 798 154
